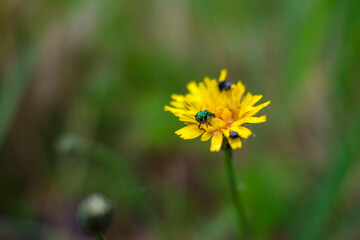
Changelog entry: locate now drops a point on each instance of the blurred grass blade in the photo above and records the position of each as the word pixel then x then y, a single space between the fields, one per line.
pixel 12 86
pixel 328 194
pixel 30 229
pixel 347 225
pixel 307 43
pixel 219 226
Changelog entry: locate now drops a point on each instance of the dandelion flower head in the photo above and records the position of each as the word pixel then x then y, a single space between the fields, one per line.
pixel 218 110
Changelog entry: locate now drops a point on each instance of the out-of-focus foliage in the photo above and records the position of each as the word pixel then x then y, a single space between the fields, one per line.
pixel 82 89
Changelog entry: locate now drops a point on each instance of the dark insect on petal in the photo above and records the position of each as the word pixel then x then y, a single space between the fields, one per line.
pixel 223 85
pixel 234 134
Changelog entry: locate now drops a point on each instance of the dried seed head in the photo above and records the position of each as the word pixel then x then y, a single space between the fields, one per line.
pixel 94 214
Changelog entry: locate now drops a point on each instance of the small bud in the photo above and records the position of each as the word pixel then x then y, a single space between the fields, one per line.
pixel 94 214
pixel 70 145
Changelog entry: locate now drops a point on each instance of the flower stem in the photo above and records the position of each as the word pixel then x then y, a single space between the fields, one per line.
pixel 236 196
pixel 99 236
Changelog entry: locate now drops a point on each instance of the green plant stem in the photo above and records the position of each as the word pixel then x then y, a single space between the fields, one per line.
pixel 99 236
pixel 236 196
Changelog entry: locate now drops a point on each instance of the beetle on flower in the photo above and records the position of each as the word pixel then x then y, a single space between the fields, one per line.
pixel 204 117
pixel 227 109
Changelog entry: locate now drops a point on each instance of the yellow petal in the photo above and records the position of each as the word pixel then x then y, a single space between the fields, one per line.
pixel 223 75
pixel 235 95
pixel 193 87
pixel 178 97
pixel 238 89
pixel 227 115
pixel 242 131
pixel 212 88
pixel 250 120
pixel 256 109
pixel 226 132
pixel 255 119
pixel 177 104
pixel 189 132
pixel 192 103
pixel 206 136
pixel 186 117
pixel 216 123
pixel 245 101
pixel 216 142
pixel 254 99
pixel 173 110
pixel 235 143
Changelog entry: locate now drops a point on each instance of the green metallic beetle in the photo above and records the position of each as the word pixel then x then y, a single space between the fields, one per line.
pixel 204 117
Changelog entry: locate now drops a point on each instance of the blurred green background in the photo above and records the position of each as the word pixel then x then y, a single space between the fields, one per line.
pixel 82 89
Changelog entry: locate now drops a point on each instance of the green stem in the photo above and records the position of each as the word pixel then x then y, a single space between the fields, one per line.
pixel 99 236
pixel 236 196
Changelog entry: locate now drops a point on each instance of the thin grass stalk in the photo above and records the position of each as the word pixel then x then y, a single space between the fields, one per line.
pixel 100 236
pixel 236 196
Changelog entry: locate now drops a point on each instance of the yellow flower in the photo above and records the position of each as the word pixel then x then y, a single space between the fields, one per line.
pixel 226 100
